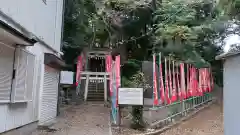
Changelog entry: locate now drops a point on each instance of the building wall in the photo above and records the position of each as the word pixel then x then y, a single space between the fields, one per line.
pixel 26 130
pixel 231 94
pixel 20 114
pixel 39 50
pixel 43 20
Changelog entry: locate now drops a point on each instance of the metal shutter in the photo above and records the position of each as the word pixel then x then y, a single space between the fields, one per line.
pixel 21 74
pixel 30 76
pixel 25 72
pixel 6 70
pixel 49 95
pixel 37 86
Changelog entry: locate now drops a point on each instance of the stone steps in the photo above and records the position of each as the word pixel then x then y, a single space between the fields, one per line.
pixel 95 91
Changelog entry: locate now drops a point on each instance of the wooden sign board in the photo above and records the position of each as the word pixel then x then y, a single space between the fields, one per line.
pixel 130 96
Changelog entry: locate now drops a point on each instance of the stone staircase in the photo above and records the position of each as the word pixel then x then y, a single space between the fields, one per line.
pixel 95 91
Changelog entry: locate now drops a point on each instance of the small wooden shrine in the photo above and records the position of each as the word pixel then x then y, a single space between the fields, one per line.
pixel 93 77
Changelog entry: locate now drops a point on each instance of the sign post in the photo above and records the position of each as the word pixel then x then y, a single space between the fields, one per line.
pixel 130 96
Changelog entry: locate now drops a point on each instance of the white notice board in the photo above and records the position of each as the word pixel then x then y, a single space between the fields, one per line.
pixel 66 77
pixel 130 96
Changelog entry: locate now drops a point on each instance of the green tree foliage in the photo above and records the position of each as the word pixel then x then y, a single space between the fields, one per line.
pixel 187 30
pixel 84 26
pixel 231 8
pixel 192 31
pixel 103 23
pixel 183 29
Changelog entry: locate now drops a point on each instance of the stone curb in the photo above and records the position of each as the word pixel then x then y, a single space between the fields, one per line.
pixel 159 131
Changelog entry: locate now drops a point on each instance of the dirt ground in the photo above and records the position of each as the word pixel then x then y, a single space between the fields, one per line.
pixel 85 119
pixel 207 122
pixel 93 119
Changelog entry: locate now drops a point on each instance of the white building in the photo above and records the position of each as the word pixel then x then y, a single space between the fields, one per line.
pixel 231 77
pixel 30 42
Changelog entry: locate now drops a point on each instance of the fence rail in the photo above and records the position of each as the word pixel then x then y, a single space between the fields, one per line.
pixel 163 115
pixel 177 89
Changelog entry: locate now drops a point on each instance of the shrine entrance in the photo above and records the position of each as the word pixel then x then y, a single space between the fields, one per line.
pixel 93 75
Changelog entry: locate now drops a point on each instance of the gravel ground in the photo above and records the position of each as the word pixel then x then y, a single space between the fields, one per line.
pixel 207 122
pixel 87 119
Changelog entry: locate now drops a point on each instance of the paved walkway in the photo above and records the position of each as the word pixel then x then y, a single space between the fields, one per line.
pixel 87 119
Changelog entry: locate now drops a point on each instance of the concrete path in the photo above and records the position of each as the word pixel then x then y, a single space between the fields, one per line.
pixel 87 119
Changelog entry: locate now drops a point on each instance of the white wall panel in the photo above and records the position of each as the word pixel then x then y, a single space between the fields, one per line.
pixel 231 93
pixel 44 20
pixel 20 114
pixel 3 114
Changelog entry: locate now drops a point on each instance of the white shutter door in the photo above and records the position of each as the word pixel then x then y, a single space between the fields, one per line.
pixel 49 95
pixel 6 70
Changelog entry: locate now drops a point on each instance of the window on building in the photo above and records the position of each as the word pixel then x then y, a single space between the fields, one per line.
pixel 17 75
pixel 6 72
pixel 23 83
